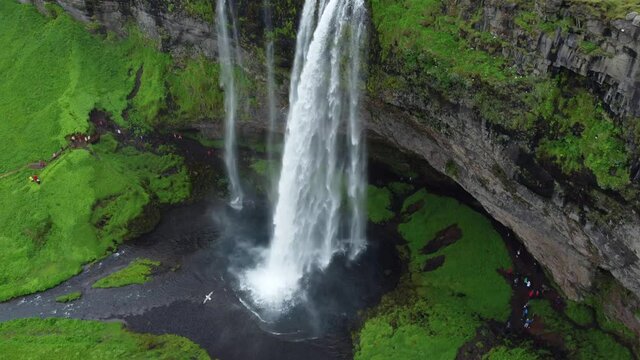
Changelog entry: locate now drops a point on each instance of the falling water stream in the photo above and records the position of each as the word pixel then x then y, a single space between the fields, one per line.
pixel 229 60
pixel 320 205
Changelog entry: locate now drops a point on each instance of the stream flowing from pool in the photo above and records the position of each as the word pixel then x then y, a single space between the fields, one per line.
pixel 230 59
pixel 320 205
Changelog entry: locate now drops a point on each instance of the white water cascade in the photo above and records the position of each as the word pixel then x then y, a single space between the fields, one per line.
pixel 229 60
pixel 320 209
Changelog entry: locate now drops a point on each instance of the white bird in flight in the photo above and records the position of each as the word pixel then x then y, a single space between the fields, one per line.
pixel 207 297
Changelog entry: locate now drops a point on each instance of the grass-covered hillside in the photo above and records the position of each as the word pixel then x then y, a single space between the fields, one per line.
pixel 93 195
pixel 455 294
pixel 446 294
pixel 439 47
pixel 79 339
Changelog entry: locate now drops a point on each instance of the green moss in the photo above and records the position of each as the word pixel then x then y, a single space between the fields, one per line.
pixel 415 331
pixel 260 167
pixel 582 135
pixel 533 23
pixel 471 263
pixel 426 38
pixel 588 47
pixel 436 47
pixel 54 74
pixel 82 339
pixel 202 9
pixel 431 314
pixel 69 297
pixel 451 169
pixel 606 290
pixel 87 201
pixel 588 343
pixel 614 326
pixel 137 272
pixel 91 72
pixel 505 353
pixel 196 92
pixel 205 141
pixel 378 204
pixel 400 188
pixel 608 9
pixel 579 313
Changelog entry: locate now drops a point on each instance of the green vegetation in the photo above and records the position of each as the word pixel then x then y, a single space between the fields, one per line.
pixel 54 73
pixel 435 45
pixel 579 313
pixel 582 135
pixel 530 21
pixel 284 15
pixel 84 206
pixel 195 91
pixel 425 38
pixel 82 339
pixel 451 169
pixel 588 47
pixel 608 9
pixel 90 72
pixel 260 166
pixel 137 272
pixel 378 204
pixel 588 343
pixel 69 297
pixel 204 9
pixel 606 290
pixel 431 314
pixel 471 263
pixel 400 188
pixel 505 353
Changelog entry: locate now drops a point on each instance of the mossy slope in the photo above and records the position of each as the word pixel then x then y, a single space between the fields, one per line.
pixel 137 272
pixel 81 339
pixel 378 204
pixel 432 314
pixel 580 343
pixel 54 73
pixel 80 211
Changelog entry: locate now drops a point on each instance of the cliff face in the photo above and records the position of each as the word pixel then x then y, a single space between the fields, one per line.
pixel 602 50
pixel 176 31
pixel 573 227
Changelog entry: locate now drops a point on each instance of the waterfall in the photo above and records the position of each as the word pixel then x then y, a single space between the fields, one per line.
pixel 320 207
pixel 229 60
pixel 271 95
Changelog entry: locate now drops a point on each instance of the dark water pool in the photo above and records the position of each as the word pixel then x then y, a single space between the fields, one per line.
pixel 198 244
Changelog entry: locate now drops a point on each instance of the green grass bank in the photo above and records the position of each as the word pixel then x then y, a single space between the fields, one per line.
pixel 137 272
pixel 434 312
pixel 83 339
pixel 55 72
